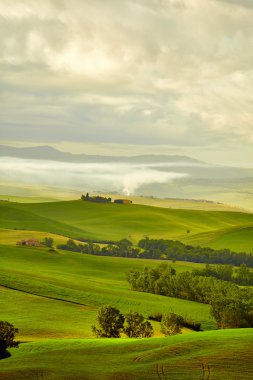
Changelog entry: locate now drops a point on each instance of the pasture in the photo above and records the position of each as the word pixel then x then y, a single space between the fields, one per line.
pixel 87 220
pixel 53 296
pixel 223 355
pixel 57 285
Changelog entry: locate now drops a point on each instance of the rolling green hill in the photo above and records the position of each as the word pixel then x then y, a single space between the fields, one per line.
pixel 235 238
pixel 89 220
pixel 223 355
pixel 54 285
pixel 53 297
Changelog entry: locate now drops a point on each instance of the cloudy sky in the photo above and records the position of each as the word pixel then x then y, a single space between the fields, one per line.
pixel 129 75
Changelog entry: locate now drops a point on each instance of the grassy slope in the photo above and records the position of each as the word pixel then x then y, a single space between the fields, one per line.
pixel 190 204
pixel 88 280
pixel 111 221
pixel 226 354
pixel 11 237
pixel 93 281
pixel 14 218
pixel 235 238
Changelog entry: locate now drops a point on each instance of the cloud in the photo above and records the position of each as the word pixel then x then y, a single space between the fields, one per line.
pixel 119 177
pixel 154 71
pixel 240 3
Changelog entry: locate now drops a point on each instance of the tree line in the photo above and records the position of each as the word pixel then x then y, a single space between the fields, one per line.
pixel 241 275
pixel 231 305
pixel 175 250
pixel 95 198
pixel 160 249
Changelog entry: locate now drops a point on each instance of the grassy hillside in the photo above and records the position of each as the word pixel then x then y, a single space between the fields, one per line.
pixel 222 355
pixel 57 285
pixel 235 238
pixel 112 221
pixel 53 297
pixel 42 195
pixel 11 237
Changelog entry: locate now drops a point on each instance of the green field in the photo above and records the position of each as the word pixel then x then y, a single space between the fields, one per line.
pixel 235 238
pixel 54 330
pixel 87 282
pixel 221 355
pixel 53 297
pixel 93 221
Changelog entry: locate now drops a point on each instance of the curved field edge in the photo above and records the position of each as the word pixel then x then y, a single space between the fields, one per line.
pixel 53 285
pixel 89 220
pixel 223 354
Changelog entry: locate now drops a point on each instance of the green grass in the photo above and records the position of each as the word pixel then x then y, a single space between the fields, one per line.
pixel 13 236
pixel 89 281
pixel 226 354
pixel 113 222
pixel 235 238
pixel 53 297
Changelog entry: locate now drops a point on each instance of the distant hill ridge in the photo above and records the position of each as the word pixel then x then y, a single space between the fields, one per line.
pixel 46 152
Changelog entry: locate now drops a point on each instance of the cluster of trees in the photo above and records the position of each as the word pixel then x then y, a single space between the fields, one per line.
pixel 231 305
pixel 111 323
pixel 123 248
pixel 7 338
pixel 175 250
pixel 95 198
pixel 161 249
pixel 242 275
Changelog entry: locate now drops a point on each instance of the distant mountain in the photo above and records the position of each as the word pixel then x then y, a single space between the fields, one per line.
pixel 197 170
pixel 48 153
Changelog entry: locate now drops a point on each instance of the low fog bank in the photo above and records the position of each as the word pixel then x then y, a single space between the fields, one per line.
pixel 114 177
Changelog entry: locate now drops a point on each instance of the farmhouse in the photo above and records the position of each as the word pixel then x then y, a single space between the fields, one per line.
pixel 29 243
pixel 123 201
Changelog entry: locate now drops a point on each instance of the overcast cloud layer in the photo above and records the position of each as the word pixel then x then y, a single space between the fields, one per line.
pixel 175 72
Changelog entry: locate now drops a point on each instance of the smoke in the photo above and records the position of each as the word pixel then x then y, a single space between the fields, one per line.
pixel 126 178
pixel 135 179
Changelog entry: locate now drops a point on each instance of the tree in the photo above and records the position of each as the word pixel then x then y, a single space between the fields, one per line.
pixel 136 327
pixel 7 336
pixel 48 242
pixel 172 324
pixel 243 275
pixel 147 330
pixel 233 310
pixel 110 321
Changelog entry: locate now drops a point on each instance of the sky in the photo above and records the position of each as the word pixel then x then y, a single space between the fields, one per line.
pixel 129 76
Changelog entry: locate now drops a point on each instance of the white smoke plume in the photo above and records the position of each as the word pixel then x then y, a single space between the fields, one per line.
pixel 118 177
pixel 137 178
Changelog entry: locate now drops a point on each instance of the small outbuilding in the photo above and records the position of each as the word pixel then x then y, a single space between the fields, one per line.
pixel 29 243
pixel 123 201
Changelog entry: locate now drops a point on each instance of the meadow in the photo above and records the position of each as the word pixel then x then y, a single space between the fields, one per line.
pixel 87 220
pixel 80 283
pixel 53 296
pixel 220 355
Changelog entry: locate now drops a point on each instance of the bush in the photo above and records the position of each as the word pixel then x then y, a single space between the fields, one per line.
pixel 48 242
pixel 172 324
pixel 7 336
